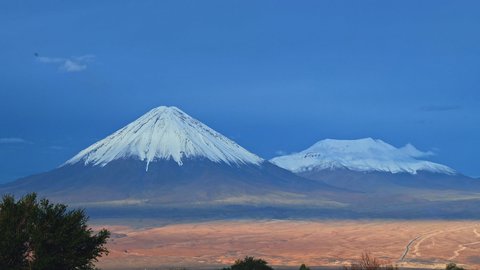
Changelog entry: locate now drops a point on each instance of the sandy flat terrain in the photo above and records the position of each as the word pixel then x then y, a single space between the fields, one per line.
pixel 423 244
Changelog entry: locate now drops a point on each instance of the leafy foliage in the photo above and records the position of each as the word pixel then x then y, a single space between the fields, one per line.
pixel 249 263
pixel 15 218
pixel 304 267
pixel 452 266
pixel 41 235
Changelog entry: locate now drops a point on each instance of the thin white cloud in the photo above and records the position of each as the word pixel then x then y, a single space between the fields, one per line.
pixel 85 58
pixel 72 64
pixel 13 140
pixel 412 151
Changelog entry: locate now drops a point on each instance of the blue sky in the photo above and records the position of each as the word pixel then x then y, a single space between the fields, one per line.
pixel 275 76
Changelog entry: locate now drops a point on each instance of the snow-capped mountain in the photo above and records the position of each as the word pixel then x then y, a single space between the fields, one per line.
pixel 363 155
pixel 377 168
pixel 165 133
pixel 166 163
pixel 166 157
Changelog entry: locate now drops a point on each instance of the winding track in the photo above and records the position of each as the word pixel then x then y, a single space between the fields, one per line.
pixel 462 247
pixel 433 233
pixel 407 248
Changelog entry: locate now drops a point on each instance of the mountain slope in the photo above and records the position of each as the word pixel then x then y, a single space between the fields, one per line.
pixel 374 166
pixel 165 133
pixel 166 157
pixel 363 155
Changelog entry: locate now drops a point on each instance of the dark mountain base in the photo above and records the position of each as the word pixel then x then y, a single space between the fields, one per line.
pixel 197 181
pixel 393 183
pixel 204 190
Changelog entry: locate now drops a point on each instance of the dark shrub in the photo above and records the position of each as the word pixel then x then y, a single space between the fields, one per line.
pixel 249 263
pixel 45 236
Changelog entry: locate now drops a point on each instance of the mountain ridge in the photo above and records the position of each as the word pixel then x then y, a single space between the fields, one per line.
pixel 165 133
pixel 167 157
pixel 166 163
pixel 365 154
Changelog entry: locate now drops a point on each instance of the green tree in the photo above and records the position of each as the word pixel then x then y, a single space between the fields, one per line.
pixel 49 236
pixel 249 263
pixel 15 218
pixel 452 266
pixel 304 267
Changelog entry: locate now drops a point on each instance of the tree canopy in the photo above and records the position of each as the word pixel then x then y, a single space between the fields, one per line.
pixel 40 235
pixel 249 263
pixel 453 266
pixel 304 267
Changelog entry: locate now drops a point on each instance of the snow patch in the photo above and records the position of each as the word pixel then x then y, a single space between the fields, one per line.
pixel 360 155
pixel 165 133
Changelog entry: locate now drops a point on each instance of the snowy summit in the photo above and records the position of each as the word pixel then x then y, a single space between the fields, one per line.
pixel 360 155
pixel 165 133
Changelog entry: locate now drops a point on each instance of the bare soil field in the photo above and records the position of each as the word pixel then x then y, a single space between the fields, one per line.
pixel 287 243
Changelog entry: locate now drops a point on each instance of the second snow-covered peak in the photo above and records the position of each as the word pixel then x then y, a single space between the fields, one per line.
pixel 360 155
pixel 165 133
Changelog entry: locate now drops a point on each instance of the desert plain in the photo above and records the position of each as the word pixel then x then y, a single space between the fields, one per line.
pixel 289 243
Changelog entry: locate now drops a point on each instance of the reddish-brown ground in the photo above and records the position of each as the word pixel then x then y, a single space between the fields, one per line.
pixel 431 244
